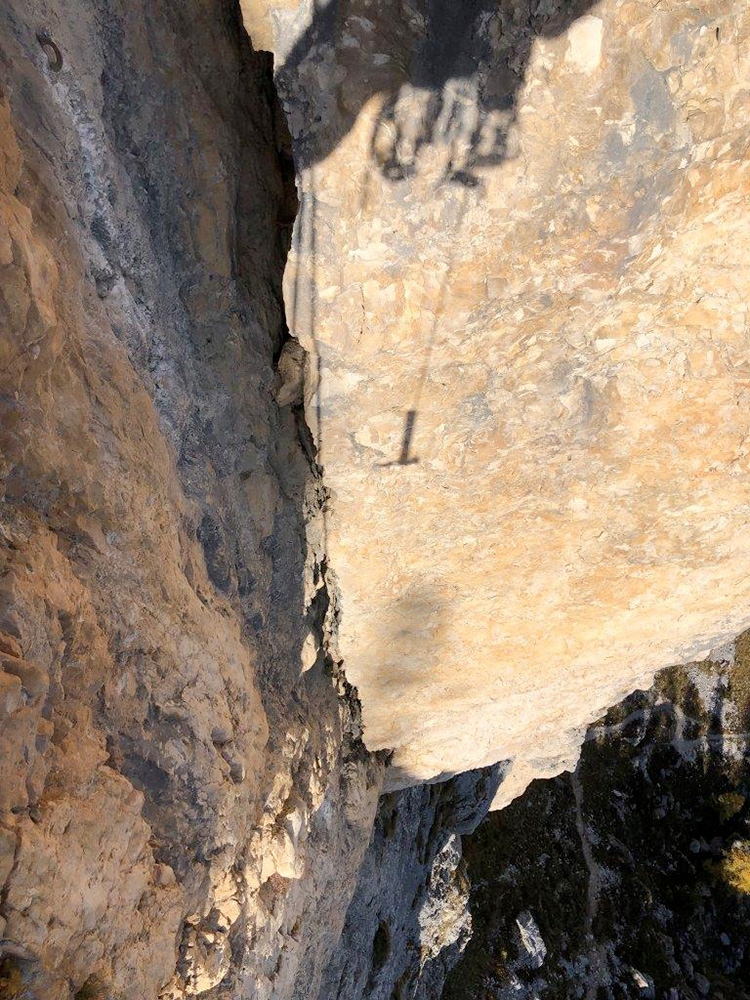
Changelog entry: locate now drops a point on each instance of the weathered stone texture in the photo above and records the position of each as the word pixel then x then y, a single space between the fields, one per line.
pixel 184 799
pixel 636 867
pixel 521 269
pixel 518 298
pixel 408 921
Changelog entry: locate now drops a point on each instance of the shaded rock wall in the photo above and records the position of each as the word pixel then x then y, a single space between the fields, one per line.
pixel 520 267
pixel 408 921
pixel 636 867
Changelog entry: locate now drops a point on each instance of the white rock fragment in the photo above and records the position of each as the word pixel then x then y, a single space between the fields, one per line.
pixel 531 939
pixel 643 982
pixel 585 44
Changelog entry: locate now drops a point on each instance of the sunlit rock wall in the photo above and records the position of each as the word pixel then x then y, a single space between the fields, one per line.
pixel 184 798
pixel 521 272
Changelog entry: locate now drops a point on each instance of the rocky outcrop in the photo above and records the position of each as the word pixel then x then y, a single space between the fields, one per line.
pixel 511 332
pixel 520 268
pixel 635 868
pixel 409 921
pixel 184 797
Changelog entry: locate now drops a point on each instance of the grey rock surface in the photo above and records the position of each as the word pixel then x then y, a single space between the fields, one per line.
pixel 408 921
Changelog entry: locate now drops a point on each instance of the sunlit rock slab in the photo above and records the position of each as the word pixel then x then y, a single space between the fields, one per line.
pixel 521 270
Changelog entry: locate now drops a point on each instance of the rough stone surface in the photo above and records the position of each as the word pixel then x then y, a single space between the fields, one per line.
pixel 521 270
pixel 517 301
pixel 409 921
pixel 184 798
pixel 636 867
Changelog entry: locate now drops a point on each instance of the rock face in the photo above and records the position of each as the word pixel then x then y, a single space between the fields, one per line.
pixel 408 921
pixel 185 798
pixel 636 867
pixel 182 784
pixel 512 331
pixel 521 270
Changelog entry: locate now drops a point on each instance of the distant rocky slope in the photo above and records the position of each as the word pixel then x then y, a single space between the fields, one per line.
pixel 634 869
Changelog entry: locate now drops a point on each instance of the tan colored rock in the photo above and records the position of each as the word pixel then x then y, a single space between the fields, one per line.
pixel 514 283
pixel 258 19
pixel 169 697
pixel 521 269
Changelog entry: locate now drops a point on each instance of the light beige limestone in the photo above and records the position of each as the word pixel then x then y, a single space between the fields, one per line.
pixel 570 328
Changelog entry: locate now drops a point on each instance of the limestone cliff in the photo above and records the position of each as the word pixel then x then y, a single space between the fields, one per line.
pixel 431 381
pixel 182 783
pixel 521 269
